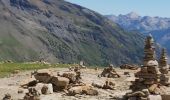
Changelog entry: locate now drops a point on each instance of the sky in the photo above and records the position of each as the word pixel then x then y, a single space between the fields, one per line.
pixel 142 7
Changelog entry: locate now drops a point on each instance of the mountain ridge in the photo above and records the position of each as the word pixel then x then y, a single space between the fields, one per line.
pixel 61 32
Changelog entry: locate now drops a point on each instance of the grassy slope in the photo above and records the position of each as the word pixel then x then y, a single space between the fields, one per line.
pixel 7 68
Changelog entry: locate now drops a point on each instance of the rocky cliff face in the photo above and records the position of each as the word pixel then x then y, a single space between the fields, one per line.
pixel 58 31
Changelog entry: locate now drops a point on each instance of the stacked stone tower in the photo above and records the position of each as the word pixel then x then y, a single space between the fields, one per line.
pixel 151 77
pixel 164 68
pixel 149 73
pixel 163 59
pixel 149 50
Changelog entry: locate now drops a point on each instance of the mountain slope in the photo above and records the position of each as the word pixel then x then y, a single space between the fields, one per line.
pixel 157 26
pixel 58 31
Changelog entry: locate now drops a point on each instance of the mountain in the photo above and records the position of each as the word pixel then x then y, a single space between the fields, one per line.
pixel 157 26
pixel 144 24
pixel 59 31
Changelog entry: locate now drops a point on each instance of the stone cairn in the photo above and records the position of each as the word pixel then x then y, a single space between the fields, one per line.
pixel 164 67
pixel 110 72
pixel 32 94
pixel 163 62
pixel 149 77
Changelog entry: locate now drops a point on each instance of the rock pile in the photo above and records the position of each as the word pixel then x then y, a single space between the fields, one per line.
pixel 108 85
pixel 138 95
pixel 43 76
pixel 164 68
pixel 150 77
pixel 32 94
pixel 127 66
pixel 110 72
pixel 163 62
pixel 59 83
pixel 46 83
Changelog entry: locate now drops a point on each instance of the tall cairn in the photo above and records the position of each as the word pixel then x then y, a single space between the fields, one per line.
pixel 149 50
pixel 152 78
pixel 164 68
pixel 163 59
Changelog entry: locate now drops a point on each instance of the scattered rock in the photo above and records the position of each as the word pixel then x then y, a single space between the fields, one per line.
pixel 60 83
pixel 47 89
pixel 156 97
pixel 7 97
pixel 30 84
pixel 96 68
pixel 71 76
pixel 127 74
pixel 32 94
pixel 91 92
pixel 88 90
pixel 20 91
pixel 128 66
pixel 109 85
pixel 110 72
pixel 98 85
pixel 43 76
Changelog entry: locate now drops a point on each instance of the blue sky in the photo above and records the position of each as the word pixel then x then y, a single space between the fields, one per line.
pixel 142 7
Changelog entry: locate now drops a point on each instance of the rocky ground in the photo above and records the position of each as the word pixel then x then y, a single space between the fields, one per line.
pixel 12 84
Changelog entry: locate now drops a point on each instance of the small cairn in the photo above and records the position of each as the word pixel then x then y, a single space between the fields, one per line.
pixel 82 66
pixel 164 68
pixel 110 72
pixel 32 94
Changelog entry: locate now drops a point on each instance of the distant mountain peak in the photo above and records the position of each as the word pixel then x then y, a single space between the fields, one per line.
pixel 133 15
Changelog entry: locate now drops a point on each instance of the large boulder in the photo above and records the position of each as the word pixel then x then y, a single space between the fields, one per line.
pixel 47 89
pixel 75 90
pixel 156 97
pixel 139 95
pixel 43 76
pixel 91 92
pixel 86 89
pixel 44 88
pixel 165 97
pixel 70 75
pixel 30 84
pixel 60 83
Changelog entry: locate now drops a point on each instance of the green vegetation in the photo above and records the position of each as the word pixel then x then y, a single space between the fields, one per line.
pixel 8 68
pixel 64 33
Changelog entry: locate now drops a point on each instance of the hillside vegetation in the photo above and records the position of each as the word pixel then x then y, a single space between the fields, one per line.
pixel 58 31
